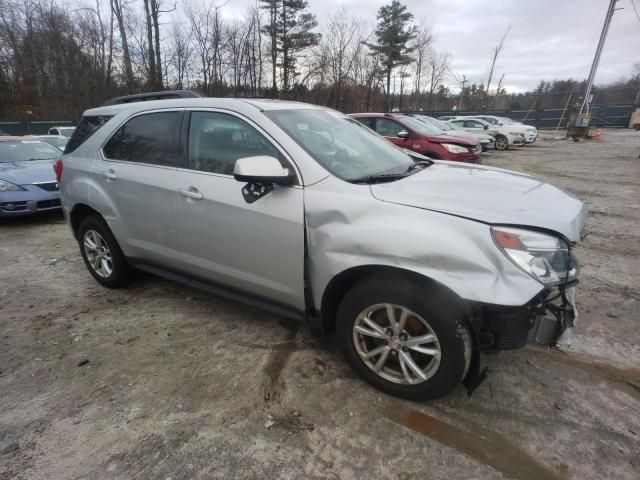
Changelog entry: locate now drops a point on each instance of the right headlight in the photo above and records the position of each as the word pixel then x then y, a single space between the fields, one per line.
pixel 454 148
pixel 10 187
pixel 545 257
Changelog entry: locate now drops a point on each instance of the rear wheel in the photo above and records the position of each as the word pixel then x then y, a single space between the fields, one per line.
pixel 404 336
pixel 101 253
pixel 502 142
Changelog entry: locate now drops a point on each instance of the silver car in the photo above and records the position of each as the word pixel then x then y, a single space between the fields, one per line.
pixel 415 265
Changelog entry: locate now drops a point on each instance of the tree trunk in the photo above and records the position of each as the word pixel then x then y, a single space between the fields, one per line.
pixel 155 13
pixel 386 99
pixel 126 57
pixel 151 80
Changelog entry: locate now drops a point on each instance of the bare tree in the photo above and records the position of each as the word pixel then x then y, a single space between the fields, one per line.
pixel 118 11
pixel 421 54
pixel 340 50
pixel 206 26
pixel 438 67
pixel 494 56
pixel 181 53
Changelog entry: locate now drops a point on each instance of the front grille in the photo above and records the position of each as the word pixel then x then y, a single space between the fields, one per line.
pixel 13 206
pixel 48 186
pixel 44 204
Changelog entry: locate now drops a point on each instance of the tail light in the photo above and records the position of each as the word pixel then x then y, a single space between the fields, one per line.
pixel 57 167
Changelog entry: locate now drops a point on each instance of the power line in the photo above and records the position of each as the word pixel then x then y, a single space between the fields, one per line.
pixel 633 4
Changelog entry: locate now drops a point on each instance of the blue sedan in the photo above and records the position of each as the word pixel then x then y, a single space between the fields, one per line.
pixel 27 179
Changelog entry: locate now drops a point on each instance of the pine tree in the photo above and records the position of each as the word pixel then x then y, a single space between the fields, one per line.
pixel 289 29
pixel 393 34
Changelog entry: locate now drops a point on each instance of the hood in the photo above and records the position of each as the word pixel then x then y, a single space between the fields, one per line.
pixel 445 138
pixel 27 172
pixel 489 195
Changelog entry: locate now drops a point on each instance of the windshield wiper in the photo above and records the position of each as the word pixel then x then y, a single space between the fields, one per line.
pixel 381 177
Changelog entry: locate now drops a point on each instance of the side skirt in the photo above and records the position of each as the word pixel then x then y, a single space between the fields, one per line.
pixel 221 291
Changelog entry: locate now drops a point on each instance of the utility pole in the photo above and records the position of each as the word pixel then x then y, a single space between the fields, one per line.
pixel 586 103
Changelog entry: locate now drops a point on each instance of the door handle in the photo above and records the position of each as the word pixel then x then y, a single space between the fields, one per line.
pixel 109 174
pixel 192 192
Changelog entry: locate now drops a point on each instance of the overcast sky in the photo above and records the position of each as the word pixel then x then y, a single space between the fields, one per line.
pixel 549 39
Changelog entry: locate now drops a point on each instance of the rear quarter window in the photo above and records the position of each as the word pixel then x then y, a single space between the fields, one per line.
pixel 87 127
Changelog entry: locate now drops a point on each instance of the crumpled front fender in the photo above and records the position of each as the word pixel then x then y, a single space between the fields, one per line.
pixel 349 228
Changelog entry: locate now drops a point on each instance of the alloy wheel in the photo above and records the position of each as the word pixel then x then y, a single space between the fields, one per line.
pixel 397 344
pixel 98 253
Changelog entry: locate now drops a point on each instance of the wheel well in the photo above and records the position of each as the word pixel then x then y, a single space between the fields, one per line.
pixel 342 283
pixel 78 213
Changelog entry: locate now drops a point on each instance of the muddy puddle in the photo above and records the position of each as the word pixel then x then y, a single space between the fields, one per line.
pixel 475 441
pixel 626 380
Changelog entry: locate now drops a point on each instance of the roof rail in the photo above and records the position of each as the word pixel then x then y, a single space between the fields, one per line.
pixel 143 97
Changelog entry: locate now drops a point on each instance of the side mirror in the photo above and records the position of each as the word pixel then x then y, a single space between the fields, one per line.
pixel 262 169
pixel 403 134
pixel 486 127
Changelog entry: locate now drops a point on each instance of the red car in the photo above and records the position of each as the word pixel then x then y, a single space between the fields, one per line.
pixel 412 134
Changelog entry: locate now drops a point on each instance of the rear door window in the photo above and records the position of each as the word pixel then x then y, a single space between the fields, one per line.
pixel 149 138
pixel 387 128
pixel 87 127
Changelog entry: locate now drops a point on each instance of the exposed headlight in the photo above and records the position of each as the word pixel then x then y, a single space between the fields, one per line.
pixel 9 187
pixel 544 257
pixel 455 148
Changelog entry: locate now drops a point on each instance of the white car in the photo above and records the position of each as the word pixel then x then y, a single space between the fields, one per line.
pixel 504 135
pixel 58 141
pixel 64 131
pixel 530 133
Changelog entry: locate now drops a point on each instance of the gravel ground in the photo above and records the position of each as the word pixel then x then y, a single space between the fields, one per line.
pixel 163 381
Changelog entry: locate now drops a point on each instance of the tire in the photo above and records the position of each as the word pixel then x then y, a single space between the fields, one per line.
pixel 502 142
pixel 99 247
pixel 429 310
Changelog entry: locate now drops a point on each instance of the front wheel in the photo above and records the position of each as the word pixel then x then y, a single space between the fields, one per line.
pixel 404 336
pixel 502 142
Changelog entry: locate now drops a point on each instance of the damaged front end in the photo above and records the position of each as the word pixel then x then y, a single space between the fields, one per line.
pixel 549 259
pixel 542 321
pixel 548 317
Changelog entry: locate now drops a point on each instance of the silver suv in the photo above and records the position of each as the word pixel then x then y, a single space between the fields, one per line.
pixel 415 265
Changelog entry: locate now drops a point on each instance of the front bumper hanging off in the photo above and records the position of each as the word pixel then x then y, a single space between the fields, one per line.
pixel 541 322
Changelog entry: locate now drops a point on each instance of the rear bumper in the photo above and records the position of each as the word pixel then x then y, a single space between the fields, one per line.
pixel 33 200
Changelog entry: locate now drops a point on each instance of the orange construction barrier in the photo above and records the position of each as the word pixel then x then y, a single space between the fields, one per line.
pixel 598 134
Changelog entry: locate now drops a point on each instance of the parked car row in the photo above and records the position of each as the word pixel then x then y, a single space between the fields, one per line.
pixel 506 131
pixel 460 139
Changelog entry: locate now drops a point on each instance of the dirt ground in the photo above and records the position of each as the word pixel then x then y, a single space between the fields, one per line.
pixel 162 381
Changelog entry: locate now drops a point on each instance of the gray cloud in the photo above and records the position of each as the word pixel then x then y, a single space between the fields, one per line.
pixel 549 39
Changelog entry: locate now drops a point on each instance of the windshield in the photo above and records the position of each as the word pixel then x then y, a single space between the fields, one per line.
pixel 506 120
pixel 436 123
pixel 420 126
pixel 492 121
pixel 345 147
pixel 16 151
